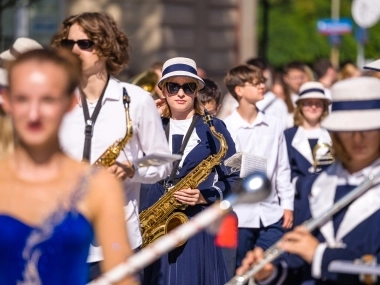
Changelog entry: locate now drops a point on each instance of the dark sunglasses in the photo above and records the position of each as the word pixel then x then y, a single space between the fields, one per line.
pixel 188 88
pixel 82 44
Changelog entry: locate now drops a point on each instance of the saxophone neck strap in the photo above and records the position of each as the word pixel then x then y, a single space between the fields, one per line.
pixel 90 121
pixel 196 117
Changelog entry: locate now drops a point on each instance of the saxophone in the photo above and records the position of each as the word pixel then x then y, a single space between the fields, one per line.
pixel 109 157
pixel 162 217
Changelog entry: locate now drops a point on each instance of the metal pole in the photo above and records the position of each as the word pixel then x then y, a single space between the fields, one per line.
pixel 22 19
pixel 334 56
pixel 360 60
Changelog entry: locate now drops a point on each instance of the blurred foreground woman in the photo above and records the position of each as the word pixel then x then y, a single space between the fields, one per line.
pixel 50 205
pixel 354 231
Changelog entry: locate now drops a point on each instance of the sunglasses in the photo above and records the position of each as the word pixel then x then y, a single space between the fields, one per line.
pixel 82 44
pixel 188 88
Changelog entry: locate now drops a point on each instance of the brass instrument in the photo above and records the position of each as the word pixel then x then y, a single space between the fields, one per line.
pixel 322 155
pixel 146 80
pixel 162 217
pixel 109 157
pixel 274 251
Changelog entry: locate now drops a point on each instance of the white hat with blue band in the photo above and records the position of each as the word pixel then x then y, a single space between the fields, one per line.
pixel 356 105
pixel 312 90
pixel 180 66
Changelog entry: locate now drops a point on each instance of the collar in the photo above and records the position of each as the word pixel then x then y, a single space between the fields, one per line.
pixel 240 123
pixel 344 177
pixel 301 143
pixel 322 199
pixel 113 91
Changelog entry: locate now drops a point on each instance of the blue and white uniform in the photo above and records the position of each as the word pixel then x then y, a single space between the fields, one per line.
pixel 350 234
pixel 300 143
pixel 198 261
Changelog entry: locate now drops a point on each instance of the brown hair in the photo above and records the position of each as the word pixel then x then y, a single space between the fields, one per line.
pixel 299 118
pixel 64 59
pixel 339 151
pixel 198 107
pixel 279 79
pixel 240 75
pixel 110 42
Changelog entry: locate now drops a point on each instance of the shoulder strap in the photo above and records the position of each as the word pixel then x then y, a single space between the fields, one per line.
pixel 90 122
pixel 196 117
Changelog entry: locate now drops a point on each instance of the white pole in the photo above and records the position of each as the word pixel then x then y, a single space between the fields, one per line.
pixel 22 19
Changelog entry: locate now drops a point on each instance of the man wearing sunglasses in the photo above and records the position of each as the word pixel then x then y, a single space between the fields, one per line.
pixel 104 52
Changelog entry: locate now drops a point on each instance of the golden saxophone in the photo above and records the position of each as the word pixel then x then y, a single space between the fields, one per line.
pixel 109 157
pixel 161 218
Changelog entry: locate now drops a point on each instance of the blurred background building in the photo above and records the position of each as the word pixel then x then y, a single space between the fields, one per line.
pixel 217 34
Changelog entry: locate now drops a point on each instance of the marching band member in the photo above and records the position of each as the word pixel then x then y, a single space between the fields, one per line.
pixel 260 134
pixel 50 205
pixel 104 50
pixel 199 261
pixel 311 108
pixel 354 125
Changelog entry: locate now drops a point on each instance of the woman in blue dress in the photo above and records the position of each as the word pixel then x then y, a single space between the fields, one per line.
pixel 198 261
pixel 354 231
pixel 50 205
pixel 312 107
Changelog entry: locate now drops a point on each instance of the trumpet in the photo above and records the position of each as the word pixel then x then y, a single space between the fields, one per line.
pixel 274 251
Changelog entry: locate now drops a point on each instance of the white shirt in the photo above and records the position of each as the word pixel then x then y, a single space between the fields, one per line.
pixel 269 105
pixel 148 137
pixel 265 138
pixel 273 105
pixel 312 133
pixel 180 127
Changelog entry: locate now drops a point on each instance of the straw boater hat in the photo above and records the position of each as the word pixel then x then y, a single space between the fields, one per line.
pixel 21 45
pixel 356 105
pixel 312 90
pixel 180 66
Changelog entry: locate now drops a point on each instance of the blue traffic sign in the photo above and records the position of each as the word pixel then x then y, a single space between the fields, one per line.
pixel 334 26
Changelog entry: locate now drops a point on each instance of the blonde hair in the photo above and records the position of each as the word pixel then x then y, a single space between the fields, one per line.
pixel 198 106
pixel 299 118
pixel 6 134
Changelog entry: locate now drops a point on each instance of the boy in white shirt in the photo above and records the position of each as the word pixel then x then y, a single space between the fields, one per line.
pixel 254 132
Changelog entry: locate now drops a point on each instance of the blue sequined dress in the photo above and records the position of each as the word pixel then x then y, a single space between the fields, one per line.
pixel 53 253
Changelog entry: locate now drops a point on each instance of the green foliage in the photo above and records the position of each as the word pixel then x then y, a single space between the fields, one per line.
pixel 293 35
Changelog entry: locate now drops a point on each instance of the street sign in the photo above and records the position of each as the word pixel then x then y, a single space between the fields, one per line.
pixel 334 26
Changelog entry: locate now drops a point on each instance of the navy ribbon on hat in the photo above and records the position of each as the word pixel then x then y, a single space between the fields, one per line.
pixel 179 67
pixel 355 105
pixel 312 90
